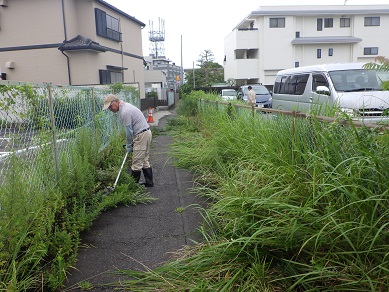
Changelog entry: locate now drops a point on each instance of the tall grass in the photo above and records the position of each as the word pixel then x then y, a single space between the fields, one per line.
pixel 41 218
pixel 296 205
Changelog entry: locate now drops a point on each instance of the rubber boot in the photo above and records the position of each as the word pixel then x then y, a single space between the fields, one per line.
pixel 148 174
pixel 136 175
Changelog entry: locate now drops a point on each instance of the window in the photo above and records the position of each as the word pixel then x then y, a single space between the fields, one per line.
pixel 297 34
pixel 285 82
pixel 370 51
pixel 318 53
pixel 113 28
pixel 107 25
pixel 108 77
pixel 345 22
pixel 318 80
pixel 328 22
pixel 277 84
pixel 330 52
pixel 294 84
pixel 296 64
pixel 319 24
pixel 116 77
pixel 281 84
pixel 301 84
pixel 277 22
pixel 372 21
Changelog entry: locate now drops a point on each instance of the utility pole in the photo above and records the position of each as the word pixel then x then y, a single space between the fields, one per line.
pixel 182 65
pixel 194 82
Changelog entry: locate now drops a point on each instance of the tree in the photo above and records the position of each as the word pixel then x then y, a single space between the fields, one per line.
pixel 231 82
pixel 208 73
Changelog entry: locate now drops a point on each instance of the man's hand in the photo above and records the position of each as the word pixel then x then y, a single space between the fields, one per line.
pixel 128 148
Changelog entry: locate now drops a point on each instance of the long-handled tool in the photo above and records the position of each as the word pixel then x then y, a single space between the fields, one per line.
pixel 111 189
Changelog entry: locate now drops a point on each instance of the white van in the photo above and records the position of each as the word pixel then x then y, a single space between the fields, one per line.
pixel 346 86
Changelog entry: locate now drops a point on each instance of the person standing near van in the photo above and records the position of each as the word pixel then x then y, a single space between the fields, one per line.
pixel 138 136
pixel 251 96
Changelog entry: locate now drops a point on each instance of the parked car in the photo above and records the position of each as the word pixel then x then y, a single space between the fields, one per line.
pixel 228 94
pixel 264 96
pixel 349 87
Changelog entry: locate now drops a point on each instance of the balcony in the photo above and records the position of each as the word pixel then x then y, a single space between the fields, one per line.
pixel 247 39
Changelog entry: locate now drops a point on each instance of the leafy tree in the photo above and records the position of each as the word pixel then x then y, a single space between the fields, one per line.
pixel 208 73
pixel 231 82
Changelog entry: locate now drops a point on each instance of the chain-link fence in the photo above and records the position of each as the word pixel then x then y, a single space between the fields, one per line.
pixel 46 117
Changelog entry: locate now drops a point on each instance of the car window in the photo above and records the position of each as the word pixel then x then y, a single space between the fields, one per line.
pixel 318 80
pixel 260 90
pixel 228 92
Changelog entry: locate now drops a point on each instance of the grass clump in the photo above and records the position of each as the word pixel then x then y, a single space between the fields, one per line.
pixel 295 205
pixel 41 217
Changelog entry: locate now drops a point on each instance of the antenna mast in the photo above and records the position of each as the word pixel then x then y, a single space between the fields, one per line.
pixel 157 37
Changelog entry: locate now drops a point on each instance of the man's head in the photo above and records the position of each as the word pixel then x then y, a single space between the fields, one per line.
pixel 249 88
pixel 111 102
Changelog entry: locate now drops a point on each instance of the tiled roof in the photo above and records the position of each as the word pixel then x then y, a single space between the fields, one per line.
pixel 81 43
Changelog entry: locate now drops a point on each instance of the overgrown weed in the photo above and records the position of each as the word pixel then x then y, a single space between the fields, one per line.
pixel 296 205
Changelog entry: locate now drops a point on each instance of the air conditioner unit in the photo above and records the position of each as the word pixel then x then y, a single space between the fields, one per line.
pixel 10 64
pixel 4 3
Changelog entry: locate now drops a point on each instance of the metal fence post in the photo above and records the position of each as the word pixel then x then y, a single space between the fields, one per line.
pixel 93 110
pixel 52 120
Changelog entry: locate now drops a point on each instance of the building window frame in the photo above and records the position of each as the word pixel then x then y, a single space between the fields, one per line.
pixel 111 76
pixel 372 21
pixel 328 22
pixel 330 52
pixel 318 53
pixel 370 50
pixel 345 22
pixel 277 22
pixel 107 26
pixel 319 24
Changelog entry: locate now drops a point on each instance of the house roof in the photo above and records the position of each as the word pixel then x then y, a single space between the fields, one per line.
pixel 132 18
pixel 81 43
pixel 313 10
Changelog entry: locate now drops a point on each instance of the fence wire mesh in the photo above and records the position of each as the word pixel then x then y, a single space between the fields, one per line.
pixel 36 118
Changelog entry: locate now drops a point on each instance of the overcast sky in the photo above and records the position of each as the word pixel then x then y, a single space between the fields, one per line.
pixel 202 24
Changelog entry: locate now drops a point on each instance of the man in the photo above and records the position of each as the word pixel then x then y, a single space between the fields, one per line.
pixel 138 136
pixel 251 96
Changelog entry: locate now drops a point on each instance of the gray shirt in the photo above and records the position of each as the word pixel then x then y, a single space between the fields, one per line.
pixel 133 120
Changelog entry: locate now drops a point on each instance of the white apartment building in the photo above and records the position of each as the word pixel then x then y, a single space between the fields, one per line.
pixel 273 38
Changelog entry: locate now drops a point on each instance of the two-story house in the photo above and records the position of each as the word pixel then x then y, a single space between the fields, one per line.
pixel 70 42
pixel 273 38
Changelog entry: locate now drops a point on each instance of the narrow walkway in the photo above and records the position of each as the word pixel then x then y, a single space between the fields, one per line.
pixel 141 236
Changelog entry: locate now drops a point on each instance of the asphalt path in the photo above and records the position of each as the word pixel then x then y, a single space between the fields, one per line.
pixel 144 236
